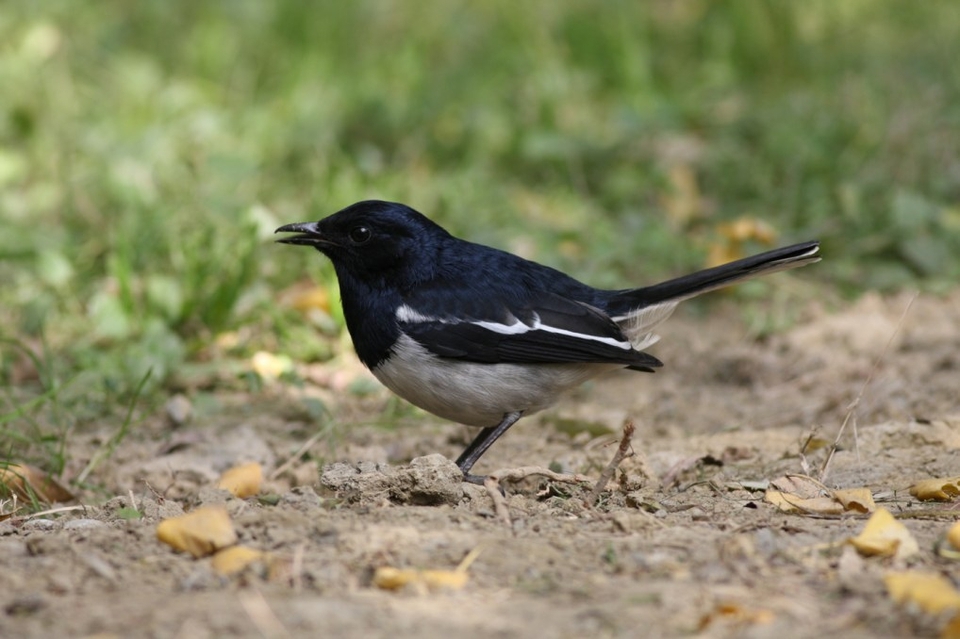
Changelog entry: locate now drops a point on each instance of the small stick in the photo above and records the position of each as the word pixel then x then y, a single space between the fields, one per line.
pixel 623 451
pixel 260 613
pixel 851 409
pixel 516 474
pixel 492 484
pixel 296 567
pixel 300 451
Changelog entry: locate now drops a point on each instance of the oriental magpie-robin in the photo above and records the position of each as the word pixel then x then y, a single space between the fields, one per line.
pixel 483 337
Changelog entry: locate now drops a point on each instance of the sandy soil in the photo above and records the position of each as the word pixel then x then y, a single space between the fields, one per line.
pixel 681 542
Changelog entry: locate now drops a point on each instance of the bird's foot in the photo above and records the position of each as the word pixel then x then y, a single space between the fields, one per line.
pixel 477 480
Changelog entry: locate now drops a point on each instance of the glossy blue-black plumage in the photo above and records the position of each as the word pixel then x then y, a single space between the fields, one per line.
pixel 453 286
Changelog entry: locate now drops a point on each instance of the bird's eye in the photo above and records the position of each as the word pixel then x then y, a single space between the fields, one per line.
pixel 360 234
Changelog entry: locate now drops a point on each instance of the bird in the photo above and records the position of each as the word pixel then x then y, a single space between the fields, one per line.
pixel 481 336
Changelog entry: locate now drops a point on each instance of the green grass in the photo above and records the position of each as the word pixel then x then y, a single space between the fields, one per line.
pixel 149 149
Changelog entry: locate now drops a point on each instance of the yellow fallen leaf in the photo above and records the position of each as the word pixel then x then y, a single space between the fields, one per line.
pixel 953 535
pixel 814 444
pixel 306 299
pixel 683 204
pixel 931 592
pixel 746 228
pixel 856 499
pixel 790 503
pixel 269 366
pixel 227 340
pixel 936 489
pixel 200 532
pixel 389 578
pixel 884 536
pixel 28 483
pixel 243 480
pixel 734 234
pixel 736 614
pixel 952 629
pixel 235 558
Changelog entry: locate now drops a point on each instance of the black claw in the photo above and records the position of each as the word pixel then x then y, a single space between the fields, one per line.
pixel 474 479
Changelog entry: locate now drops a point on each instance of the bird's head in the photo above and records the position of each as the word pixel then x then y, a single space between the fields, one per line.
pixel 371 240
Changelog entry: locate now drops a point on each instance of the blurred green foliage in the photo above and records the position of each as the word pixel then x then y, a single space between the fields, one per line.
pixel 149 149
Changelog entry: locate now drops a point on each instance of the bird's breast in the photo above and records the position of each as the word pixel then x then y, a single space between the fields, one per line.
pixel 476 394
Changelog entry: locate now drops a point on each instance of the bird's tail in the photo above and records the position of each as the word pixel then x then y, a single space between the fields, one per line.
pixel 639 310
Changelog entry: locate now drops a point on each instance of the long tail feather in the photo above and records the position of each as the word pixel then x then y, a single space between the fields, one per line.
pixel 639 310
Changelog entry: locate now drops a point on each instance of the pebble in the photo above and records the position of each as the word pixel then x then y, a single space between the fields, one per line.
pixel 41 524
pixel 179 409
pixel 83 524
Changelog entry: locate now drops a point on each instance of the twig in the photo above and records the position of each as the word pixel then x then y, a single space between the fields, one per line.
pixel 467 561
pixel 492 484
pixel 673 474
pixel 516 474
pixel 54 511
pixel 300 451
pixel 260 613
pixel 296 567
pixel 624 450
pixel 851 409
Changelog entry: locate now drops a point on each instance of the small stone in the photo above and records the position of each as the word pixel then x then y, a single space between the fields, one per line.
pixel 83 524
pixel 433 480
pixel 25 605
pixel 301 498
pixel 365 481
pixel 179 409
pixel 41 524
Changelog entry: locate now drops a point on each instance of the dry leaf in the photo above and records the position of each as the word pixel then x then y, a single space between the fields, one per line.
pixel 952 629
pixel 200 533
pixel 931 592
pixel 683 204
pixel 734 235
pixel 790 503
pixel 242 481
pixel 856 499
pixel 235 558
pixel 884 536
pixel 307 299
pixel 814 444
pixel 736 614
pixel 948 546
pixel 800 486
pixel 28 483
pixel 936 489
pixel 269 366
pixel 745 228
pixel 395 578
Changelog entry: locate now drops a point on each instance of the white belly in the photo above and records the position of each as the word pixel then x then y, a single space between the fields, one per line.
pixel 477 394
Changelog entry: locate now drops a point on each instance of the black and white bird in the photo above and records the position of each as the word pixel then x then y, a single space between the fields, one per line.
pixel 482 337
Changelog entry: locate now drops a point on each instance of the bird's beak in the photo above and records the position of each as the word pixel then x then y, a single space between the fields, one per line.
pixel 309 234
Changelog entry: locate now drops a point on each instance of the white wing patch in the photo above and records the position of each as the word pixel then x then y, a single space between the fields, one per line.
pixel 409 315
pixel 518 328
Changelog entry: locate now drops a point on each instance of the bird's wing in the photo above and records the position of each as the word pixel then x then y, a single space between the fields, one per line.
pixel 542 328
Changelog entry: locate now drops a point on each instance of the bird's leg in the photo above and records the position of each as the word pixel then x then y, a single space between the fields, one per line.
pixel 481 443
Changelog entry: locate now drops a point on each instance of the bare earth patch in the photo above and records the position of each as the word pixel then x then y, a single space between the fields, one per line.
pixel 681 541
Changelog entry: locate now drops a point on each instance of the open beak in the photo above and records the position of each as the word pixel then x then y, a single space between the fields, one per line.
pixel 309 234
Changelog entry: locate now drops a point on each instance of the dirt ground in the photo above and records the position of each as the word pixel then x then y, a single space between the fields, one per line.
pixel 681 542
